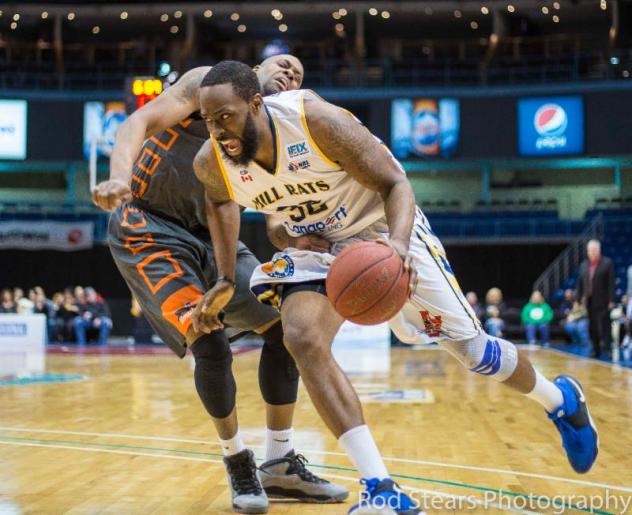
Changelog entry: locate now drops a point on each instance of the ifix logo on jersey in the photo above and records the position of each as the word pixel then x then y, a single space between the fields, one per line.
pixel 245 176
pixel 295 166
pixel 333 222
pixel 297 149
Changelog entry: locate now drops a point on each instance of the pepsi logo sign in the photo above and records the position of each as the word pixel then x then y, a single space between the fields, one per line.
pixel 550 120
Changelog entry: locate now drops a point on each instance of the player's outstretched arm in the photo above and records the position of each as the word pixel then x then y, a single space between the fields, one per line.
pixel 343 139
pixel 171 107
pixel 223 218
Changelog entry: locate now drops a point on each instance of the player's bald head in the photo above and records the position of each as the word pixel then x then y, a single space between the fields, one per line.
pixel 278 73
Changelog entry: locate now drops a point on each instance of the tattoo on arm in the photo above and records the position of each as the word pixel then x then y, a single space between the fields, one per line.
pixel 187 89
pixel 207 171
pixel 350 144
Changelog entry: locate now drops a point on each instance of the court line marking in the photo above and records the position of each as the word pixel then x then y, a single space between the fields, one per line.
pixel 457 484
pixel 333 476
pixel 330 453
pixel 608 364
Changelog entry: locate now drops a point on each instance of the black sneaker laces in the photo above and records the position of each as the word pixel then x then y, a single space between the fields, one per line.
pixel 243 476
pixel 297 466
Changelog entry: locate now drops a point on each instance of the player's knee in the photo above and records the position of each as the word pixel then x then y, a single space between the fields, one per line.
pixel 278 375
pixel 213 374
pixel 305 344
pixel 485 355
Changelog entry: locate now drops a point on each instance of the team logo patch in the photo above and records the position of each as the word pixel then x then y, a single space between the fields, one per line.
pixel 432 324
pixel 280 267
pixel 185 312
pixel 296 166
pixel 297 149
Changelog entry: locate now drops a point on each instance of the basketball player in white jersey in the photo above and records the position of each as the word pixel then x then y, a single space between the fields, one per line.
pixel 312 168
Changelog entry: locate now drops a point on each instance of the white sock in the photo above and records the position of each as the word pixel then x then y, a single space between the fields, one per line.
pixel 364 454
pixel 233 445
pixel 279 443
pixel 546 393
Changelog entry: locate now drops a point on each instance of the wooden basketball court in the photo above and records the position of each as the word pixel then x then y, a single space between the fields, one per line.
pixel 131 437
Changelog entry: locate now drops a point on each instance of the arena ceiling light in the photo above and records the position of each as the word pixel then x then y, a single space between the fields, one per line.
pixel 14 25
pixel 556 18
pixel 44 15
pixel 96 29
pixel 336 15
pixel 71 16
pixel 386 15
pixel 545 9
pixel 556 6
pixel 124 15
pixel 511 8
pixel 16 17
pixel 474 25
pixel 603 5
pixel 283 27
pixel 343 11
pixel 177 14
pixel 373 11
pixel 234 16
pixel 457 13
pixel 164 17
pixel 340 27
pixel 241 28
pixel 208 13
pixel 174 29
pixel 484 10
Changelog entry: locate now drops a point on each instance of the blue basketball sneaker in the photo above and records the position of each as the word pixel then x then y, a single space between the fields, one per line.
pixel 573 421
pixel 383 497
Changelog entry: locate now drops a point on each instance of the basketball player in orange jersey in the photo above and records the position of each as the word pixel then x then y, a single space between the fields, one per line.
pixel 313 168
pixel 159 239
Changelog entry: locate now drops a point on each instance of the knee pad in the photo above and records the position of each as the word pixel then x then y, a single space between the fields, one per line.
pixel 278 375
pixel 213 374
pixel 486 355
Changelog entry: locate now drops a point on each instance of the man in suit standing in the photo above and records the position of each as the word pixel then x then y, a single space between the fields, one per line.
pixel 595 289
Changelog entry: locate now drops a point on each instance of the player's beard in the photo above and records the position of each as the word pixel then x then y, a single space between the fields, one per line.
pixel 249 143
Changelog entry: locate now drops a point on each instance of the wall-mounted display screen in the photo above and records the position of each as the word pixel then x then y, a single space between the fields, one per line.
pixel 425 127
pixel 13 129
pixel 551 126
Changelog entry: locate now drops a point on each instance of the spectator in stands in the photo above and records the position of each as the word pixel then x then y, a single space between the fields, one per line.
pixel 80 295
pixel 494 325
pixel 574 319
pixel 66 314
pixel 23 305
pixel 472 300
pixel 536 317
pixel 494 297
pixel 618 322
pixel 55 322
pixel 6 302
pixel 94 315
pixel 595 290
pixel 142 332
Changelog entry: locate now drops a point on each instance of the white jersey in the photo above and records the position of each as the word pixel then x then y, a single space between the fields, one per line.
pixel 308 192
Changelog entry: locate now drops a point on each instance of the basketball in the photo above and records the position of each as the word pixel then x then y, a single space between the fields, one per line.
pixel 367 283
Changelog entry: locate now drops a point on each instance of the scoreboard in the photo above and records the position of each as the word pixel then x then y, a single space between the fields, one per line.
pixel 140 90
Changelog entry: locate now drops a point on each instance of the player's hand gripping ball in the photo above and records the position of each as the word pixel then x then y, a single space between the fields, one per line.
pixel 367 283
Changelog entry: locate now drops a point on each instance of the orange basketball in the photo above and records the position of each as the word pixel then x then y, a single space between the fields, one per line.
pixel 367 283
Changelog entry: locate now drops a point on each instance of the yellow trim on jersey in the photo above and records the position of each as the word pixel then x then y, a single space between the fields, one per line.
pixel 218 156
pixel 309 135
pixel 278 145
